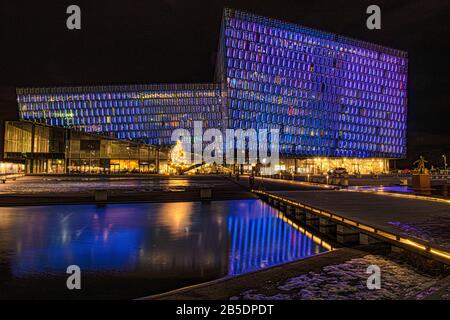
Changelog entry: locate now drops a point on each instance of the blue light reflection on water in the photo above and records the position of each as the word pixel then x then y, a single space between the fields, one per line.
pixel 256 246
pixel 152 240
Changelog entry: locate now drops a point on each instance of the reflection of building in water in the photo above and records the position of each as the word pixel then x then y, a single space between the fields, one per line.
pixel 118 238
pixel 176 217
pixel 266 241
pixel 185 241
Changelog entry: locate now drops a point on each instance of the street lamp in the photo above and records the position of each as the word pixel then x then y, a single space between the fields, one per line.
pixel 262 175
pixel 445 161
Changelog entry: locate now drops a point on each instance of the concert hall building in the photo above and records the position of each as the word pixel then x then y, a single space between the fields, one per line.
pixel 337 101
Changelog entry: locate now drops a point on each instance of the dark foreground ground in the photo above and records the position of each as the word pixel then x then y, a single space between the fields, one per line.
pixel 336 275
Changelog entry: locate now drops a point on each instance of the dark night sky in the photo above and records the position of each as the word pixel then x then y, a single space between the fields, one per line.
pixel 143 41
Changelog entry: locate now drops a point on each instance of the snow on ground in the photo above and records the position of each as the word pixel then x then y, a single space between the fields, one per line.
pixel 347 281
pixel 59 185
pixel 435 230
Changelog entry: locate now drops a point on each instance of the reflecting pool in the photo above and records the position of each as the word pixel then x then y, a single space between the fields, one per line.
pixel 134 250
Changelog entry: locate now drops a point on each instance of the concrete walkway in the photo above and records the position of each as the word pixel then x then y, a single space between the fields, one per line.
pixel 426 221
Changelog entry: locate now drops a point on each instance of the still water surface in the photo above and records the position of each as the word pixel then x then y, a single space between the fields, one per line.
pixel 133 250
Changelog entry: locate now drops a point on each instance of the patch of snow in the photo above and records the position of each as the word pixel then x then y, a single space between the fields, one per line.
pixel 347 281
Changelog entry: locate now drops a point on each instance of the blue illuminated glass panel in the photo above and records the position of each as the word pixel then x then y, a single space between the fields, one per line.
pixel 327 94
pixel 147 114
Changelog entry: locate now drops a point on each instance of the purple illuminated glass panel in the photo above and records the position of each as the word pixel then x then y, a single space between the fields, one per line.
pixel 328 95
pixel 144 113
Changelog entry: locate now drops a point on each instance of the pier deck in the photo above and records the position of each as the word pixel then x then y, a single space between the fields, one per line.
pixel 424 224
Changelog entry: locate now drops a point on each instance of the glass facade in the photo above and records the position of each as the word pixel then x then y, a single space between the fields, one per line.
pixel 145 113
pixel 48 149
pixel 330 96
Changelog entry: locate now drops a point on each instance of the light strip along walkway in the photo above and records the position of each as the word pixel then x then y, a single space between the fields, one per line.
pixel 421 225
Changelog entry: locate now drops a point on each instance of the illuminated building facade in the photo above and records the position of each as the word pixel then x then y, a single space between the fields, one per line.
pixel 329 96
pixel 336 101
pixel 49 149
pixel 145 113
